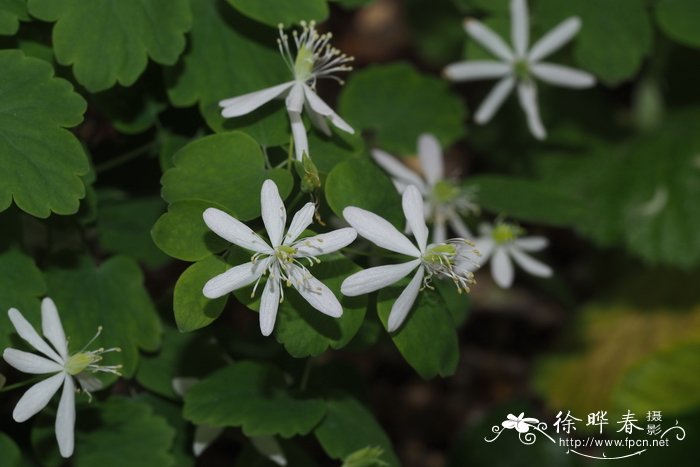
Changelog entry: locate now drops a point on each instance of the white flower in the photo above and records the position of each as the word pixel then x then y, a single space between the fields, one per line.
pixel 445 201
pixel 503 242
pixel 59 361
pixel 520 423
pixel 518 65
pixel 315 59
pixel 445 260
pixel 281 259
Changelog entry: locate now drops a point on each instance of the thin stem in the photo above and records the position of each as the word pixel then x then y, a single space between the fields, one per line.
pixel 124 158
pixel 373 254
pixel 289 153
pixel 26 382
pixel 305 375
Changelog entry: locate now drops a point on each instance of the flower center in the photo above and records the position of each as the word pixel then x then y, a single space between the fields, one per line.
pixel 445 192
pixel 521 68
pixel 451 259
pixel 285 254
pixel 504 233
pixel 79 362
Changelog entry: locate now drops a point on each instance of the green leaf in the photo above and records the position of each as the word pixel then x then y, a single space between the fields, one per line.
pixel 679 20
pixel 122 36
pixel 22 286
pixel 349 427
pixel 305 331
pixel 172 413
pixel 11 455
pixel 192 309
pixel 378 99
pixel 427 339
pixel 226 170
pixel 329 151
pixel 128 433
pixel 111 295
pixel 274 12
pixel 359 182
pixel 526 200
pixel 229 56
pixel 252 396
pixel 182 233
pixel 124 224
pixel 11 12
pixel 615 37
pixel 46 160
pixel 666 381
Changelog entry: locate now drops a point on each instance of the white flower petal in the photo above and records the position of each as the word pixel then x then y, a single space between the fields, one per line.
pixel 522 427
pixel 430 156
pixel 555 39
pixel 396 169
pixel 295 99
pixel 88 382
pixel 301 220
pixel 241 105
pixel 520 26
pixel 301 140
pixel 405 302
pixel 37 397
pixel 476 69
pixel 269 302
pixel 26 331
pixel 502 268
pixel 485 36
pixel 235 231
pixel 269 448
pixel 530 264
pixel 379 231
pixel 182 384
pixel 509 424
pixel 376 278
pixel 458 225
pixel 204 435
pixel 274 215
pixel 494 100
pixel 325 243
pixel 30 363
pixel 412 203
pixel 531 243
pixel 527 93
pixel 322 108
pixel 316 293
pixel 317 120
pixel 439 231
pixel 52 328
pixel 485 247
pixel 235 278
pixel 65 418
pixel 564 76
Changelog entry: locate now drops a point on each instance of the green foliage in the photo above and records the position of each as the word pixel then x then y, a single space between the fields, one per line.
pixel 678 19
pixel 379 98
pixel 124 35
pixel 47 160
pixel 192 309
pixel 11 456
pixel 255 397
pixel 11 12
pixel 274 12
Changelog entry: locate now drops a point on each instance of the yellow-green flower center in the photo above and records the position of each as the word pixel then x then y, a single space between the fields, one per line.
pixel 442 253
pixel 521 68
pixel 285 253
pixel 77 363
pixel 304 63
pixel 445 192
pixel 504 233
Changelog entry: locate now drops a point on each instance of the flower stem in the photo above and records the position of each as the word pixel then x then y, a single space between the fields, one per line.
pixel 27 382
pixel 124 158
pixel 305 375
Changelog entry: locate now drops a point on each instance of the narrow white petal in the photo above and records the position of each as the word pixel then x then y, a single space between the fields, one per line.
pixel 301 220
pixel 491 41
pixel 274 215
pixel 396 169
pixel 88 382
pixel 325 243
pixel 531 243
pixel 527 93
pixel 235 231
pixel 412 203
pixel 555 39
pixel 37 397
pixel 379 231
pixel 520 26
pixel 530 264
pixel 323 109
pixel 559 75
pixel 376 278
pixel 405 302
pixel 295 99
pixel 182 384
pixel 301 141
pixel 241 105
pixel 502 268
pixel 475 70
pixel 269 302
pixel 316 293
pixel 430 156
pixel 485 247
pixel 204 435
pixel 494 100
pixel 52 328
pixel 235 278
pixel 270 448
pixel 65 419
pixel 317 120
pixel 30 363
pixel 439 231
pixel 458 226
pixel 26 331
